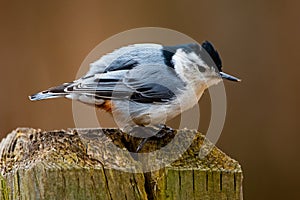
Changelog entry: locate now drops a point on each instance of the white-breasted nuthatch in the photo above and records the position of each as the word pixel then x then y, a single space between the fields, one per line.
pixel 146 84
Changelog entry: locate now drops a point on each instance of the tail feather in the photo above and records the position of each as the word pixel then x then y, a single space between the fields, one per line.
pixel 54 92
pixel 45 95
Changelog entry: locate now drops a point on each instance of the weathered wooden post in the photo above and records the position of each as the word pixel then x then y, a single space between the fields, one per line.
pixel 84 164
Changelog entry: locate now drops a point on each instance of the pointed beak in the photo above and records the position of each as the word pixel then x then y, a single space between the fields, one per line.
pixel 229 77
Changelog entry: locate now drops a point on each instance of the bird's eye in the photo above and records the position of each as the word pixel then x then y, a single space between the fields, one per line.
pixel 201 68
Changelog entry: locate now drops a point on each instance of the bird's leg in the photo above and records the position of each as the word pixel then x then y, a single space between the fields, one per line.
pixel 164 130
pixel 161 130
pixel 141 145
pixel 141 132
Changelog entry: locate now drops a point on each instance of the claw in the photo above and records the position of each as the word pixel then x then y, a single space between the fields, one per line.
pixel 162 132
pixel 141 145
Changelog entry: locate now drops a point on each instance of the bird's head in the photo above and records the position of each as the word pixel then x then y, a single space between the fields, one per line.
pixel 212 59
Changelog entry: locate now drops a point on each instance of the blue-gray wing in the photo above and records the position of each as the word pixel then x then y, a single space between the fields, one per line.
pixel 144 84
pixel 158 83
pixel 141 73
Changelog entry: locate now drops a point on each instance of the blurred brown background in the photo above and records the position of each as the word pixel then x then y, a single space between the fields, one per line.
pixel 42 44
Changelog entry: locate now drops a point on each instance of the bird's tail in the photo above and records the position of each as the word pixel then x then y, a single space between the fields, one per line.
pixel 45 95
pixel 54 92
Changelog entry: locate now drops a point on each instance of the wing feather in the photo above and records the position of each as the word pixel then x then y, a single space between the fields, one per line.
pixel 137 73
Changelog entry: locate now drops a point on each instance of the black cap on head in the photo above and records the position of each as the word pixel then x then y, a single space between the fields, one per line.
pixel 213 53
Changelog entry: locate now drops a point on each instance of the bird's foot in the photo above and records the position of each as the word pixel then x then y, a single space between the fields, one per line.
pixel 160 131
pixel 164 130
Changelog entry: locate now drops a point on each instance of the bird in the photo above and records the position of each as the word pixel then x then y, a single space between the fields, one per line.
pixel 147 84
